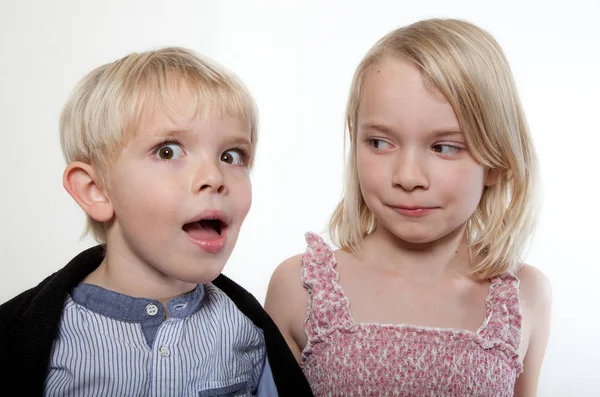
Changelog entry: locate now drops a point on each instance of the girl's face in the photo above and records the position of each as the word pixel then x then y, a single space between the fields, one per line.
pixel 415 170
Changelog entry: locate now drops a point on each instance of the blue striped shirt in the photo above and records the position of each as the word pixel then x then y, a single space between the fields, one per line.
pixel 111 344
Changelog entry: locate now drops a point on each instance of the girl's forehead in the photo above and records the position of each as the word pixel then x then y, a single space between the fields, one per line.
pixel 399 79
pixel 397 104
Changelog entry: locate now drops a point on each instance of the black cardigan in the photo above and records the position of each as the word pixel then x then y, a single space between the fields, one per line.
pixel 29 324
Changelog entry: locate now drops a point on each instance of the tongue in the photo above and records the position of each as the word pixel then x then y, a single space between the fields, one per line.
pixel 201 231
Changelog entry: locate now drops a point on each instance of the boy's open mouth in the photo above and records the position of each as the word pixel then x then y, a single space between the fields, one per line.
pixel 205 229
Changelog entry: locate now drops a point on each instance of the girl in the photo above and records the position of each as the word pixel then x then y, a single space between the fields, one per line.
pixel 427 295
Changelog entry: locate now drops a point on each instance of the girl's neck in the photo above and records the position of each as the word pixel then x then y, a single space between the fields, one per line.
pixel 419 262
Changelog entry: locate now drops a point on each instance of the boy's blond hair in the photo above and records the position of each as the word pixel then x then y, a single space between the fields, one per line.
pixel 468 67
pixel 105 108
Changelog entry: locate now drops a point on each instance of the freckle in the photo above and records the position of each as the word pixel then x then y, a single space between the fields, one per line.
pixel 378 70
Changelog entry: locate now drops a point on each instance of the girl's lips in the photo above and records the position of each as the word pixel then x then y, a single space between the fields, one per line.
pixel 413 211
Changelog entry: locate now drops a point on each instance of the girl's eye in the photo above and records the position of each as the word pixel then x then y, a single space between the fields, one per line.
pixel 233 156
pixel 447 150
pixel 169 151
pixel 378 144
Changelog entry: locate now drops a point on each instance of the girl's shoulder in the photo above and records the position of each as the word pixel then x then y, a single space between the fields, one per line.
pixel 286 303
pixel 286 277
pixel 287 291
pixel 287 298
pixel 534 287
pixel 535 296
pixel 289 271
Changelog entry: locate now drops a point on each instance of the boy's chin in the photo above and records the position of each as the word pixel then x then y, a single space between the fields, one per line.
pixel 206 273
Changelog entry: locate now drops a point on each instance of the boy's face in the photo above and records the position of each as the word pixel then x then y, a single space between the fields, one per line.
pixel 180 191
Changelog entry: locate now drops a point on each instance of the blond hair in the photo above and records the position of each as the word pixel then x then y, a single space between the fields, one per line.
pixel 467 66
pixel 105 108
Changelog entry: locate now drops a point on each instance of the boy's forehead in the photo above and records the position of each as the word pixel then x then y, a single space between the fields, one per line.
pixel 181 107
pixel 164 121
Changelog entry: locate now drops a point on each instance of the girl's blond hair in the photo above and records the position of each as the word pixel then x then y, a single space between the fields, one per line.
pixel 467 66
pixel 105 108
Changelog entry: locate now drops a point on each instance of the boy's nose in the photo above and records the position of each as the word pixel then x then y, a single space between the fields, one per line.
pixel 209 177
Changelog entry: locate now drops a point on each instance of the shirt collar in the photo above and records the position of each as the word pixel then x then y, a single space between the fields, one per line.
pixel 127 308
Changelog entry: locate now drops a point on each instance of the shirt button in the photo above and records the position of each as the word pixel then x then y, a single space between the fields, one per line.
pixel 164 351
pixel 151 309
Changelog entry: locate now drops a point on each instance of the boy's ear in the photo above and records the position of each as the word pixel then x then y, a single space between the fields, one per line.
pixel 83 184
pixel 493 176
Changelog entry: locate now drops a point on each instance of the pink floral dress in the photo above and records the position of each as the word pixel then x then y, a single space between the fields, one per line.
pixel 343 358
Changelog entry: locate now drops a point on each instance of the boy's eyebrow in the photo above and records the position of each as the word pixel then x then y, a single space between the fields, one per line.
pixel 183 134
pixel 390 131
pixel 240 141
pixel 168 133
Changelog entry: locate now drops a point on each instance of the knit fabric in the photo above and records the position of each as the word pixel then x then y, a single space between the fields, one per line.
pixel 344 358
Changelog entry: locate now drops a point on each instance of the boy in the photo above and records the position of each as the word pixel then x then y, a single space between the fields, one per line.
pixel 159 147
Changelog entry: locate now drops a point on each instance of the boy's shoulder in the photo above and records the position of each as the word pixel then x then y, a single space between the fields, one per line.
pixel 29 322
pixel 287 373
pixel 17 306
pixel 243 300
pixel 232 301
pixel 51 291
pixel 36 311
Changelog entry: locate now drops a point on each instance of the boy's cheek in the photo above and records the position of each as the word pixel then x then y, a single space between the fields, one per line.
pixel 247 203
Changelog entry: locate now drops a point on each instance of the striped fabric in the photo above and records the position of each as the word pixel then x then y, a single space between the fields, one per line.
pixel 114 345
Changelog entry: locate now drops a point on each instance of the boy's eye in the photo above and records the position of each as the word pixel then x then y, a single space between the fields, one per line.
pixel 378 144
pixel 233 156
pixel 170 151
pixel 447 150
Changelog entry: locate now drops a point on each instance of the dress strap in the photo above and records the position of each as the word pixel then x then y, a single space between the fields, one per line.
pixel 504 318
pixel 328 307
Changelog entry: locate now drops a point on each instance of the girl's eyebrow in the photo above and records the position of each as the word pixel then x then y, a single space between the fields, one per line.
pixel 384 129
pixel 377 127
pixel 446 133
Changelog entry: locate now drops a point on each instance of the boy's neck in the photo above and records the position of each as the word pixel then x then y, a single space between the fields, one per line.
pixel 428 262
pixel 117 273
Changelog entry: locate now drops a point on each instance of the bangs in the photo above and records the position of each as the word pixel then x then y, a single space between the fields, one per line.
pixel 210 97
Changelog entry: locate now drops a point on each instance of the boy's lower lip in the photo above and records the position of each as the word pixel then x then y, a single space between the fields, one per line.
pixel 420 211
pixel 211 245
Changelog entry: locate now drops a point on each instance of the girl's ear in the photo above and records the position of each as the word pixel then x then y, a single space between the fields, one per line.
pixel 83 184
pixel 493 176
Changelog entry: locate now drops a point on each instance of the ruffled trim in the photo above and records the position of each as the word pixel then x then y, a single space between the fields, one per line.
pixel 504 318
pixel 328 307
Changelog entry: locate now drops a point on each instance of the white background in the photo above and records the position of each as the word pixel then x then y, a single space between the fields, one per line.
pixel 298 58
